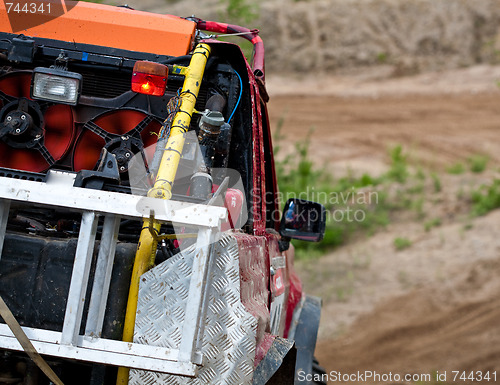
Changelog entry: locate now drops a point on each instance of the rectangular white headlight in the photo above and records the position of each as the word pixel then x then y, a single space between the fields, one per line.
pixel 56 85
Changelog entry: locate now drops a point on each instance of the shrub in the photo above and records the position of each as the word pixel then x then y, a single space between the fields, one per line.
pixel 401 243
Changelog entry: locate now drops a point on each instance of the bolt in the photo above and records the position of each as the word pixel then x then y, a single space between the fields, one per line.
pixel 122 168
pixel 110 164
pixel 127 154
pixel 9 118
pixel 18 131
pixel 23 117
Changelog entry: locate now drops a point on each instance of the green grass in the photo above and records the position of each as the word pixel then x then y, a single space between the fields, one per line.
pixel 398 171
pixel 239 11
pixel 398 192
pixel 401 243
pixel 436 181
pixel 356 204
pixel 417 188
pixel 435 222
pixel 418 206
pixel 420 174
pixel 477 163
pixel 382 57
pixel 486 198
pixel 456 169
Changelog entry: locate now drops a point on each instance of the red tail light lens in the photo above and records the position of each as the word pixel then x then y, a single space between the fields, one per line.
pixel 149 78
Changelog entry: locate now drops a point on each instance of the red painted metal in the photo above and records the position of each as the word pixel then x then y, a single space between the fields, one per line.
pixel 257 251
pixel 119 122
pixel 57 125
pixel 295 289
pixel 252 35
pixel 258 190
pixel 254 279
pixel 280 283
pixel 233 202
pixel 263 348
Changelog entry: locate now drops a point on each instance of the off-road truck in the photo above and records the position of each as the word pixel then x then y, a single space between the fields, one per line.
pixel 141 235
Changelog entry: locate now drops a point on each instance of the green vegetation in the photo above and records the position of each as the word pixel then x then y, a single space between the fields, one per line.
pixel 478 163
pixel 435 222
pixel 420 174
pixel 360 205
pixel 382 57
pixel 486 198
pixel 399 165
pixel 240 11
pixel 353 204
pixel 437 182
pixel 356 204
pixel 456 169
pixel 401 243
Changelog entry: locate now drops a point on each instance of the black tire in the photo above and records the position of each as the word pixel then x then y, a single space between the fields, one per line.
pixel 319 373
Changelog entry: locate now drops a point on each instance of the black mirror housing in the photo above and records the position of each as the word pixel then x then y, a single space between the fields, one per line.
pixel 303 220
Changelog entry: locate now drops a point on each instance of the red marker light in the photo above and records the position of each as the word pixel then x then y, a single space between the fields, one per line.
pixel 149 78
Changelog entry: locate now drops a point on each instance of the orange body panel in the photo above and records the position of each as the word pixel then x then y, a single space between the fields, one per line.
pixel 115 27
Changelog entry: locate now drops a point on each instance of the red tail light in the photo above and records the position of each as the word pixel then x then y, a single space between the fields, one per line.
pixel 149 78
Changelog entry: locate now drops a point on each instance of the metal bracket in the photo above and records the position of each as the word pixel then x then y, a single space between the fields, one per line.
pixel 102 278
pixel 22 50
pixel 4 216
pixel 107 172
pixel 69 343
pixel 79 279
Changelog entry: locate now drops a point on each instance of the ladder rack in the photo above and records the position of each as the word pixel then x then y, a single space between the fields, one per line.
pixel 58 191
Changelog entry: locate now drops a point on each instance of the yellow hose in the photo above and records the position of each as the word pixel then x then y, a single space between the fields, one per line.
pixel 146 248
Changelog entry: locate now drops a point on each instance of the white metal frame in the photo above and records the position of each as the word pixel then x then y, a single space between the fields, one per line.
pixel 114 206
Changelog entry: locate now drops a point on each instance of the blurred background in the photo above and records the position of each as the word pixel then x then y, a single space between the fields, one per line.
pixel 389 110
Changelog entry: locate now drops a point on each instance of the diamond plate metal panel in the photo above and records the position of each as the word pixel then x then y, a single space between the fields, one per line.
pixel 229 337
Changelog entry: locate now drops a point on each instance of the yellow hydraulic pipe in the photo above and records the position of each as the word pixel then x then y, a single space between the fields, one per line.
pixel 180 125
pixel 146 249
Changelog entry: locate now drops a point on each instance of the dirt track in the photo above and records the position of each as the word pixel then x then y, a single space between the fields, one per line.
pixel 356 132
pixel 434 306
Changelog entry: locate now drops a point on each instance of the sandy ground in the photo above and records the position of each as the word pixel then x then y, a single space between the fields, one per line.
pixel 434 306
pixel 356 118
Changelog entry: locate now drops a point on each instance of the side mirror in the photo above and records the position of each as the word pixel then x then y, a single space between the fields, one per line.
pixel 303 220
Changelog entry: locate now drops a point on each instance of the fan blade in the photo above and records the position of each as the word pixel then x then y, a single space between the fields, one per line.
pixel 16 84
pixel 149 135
pixel 22 159
pixel 149 138
pixel 58 126
pixel 58 130
pixel 121 122
pixel 87 151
